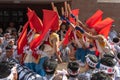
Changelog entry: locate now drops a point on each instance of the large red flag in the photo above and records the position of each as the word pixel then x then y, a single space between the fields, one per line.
pixel 49 19
pixel 55 26
pixel 35 21
pixel 75 12
pixel 22 40
pixel 66 38
pixel 105 31
pixel 99 26
pixel 95 18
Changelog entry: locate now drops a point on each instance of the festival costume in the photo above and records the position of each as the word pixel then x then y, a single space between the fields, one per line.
pixel 48 52
pixel 87 74
pixel 49 47
pixel 29 60
pixel 81 52
pixel 102 28
pixel 65 53
pixel 103 46
pixel 24 73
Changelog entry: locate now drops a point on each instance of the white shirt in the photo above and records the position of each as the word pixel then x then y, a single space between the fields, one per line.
pixel 113 34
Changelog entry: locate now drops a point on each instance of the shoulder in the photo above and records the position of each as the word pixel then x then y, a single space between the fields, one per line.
pixel 83 76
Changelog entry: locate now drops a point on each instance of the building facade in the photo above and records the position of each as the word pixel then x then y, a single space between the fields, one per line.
pixel 15 10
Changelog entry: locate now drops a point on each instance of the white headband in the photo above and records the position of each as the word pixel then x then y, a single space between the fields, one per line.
pixel 107 69
pixel 73 73
pixel 48 70
pixel 90 63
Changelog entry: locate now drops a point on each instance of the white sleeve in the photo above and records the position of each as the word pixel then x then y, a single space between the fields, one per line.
pixel 13 71
pixel 31 37
pixel 117 47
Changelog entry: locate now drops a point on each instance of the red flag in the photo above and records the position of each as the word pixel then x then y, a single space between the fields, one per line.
pixel 35 55
pixel 49 19
pixel 104 23
pixel 95 18
pixel 97 53
pixel 55 26
pixel 29 10
pixel 66 38
pixel 35 21
pixel 76 13
pixel 22 40
pixel 105 31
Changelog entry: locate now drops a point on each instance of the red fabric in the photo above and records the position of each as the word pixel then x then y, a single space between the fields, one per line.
pixel 22 40
pixel 35 55
pixel 35 22
pixel 71 35
pixel 104 23
pixel 95 18
pixel 49 17
pixel 29 10
pixel 105 31
pixel 76 13
pixel 97 53
pixel 66 39
pixel 55 26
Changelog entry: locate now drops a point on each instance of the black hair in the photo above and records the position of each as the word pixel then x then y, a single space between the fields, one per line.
pixel 109 55
pixel 93 58
pixel 51 65
pixel 5 69
pixel 100 76
pixel 7 32
pixel 73 66
pixel 66 25
pixel 1 35
pixel 8 47
pixel 83 77
pixel 116 40
pixel 118 55
pixel 108 61
pixel 42 47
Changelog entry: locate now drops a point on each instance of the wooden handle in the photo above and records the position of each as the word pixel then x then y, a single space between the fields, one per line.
pixel 66 9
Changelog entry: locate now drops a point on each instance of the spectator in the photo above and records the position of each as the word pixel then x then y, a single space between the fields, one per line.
pixel 1 32
pixel 50 68
pixel 100 76
pixel 107 64
pixel 11 27
pixel 73 70
pixel 90 66
pixel 62 31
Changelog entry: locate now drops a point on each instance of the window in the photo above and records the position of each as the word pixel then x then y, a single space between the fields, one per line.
pixel 16 16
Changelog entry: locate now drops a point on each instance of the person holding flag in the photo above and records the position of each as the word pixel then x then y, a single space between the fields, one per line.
pixel 102 29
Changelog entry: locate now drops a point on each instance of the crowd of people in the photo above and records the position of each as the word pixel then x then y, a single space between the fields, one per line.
pixel 91 50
